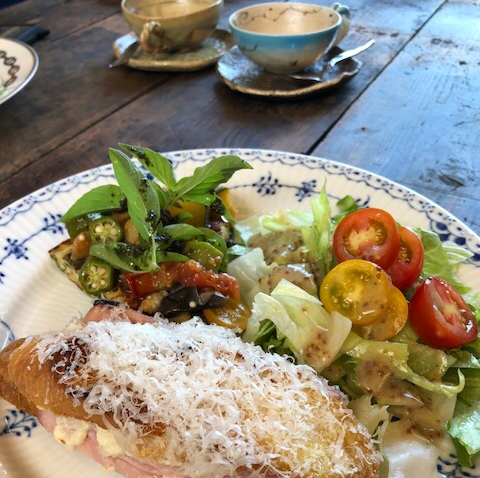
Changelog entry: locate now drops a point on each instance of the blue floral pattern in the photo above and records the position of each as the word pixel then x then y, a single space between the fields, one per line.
pixel 18 423
pixel 17 248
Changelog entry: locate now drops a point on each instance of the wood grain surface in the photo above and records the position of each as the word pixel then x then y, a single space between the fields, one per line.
pixel 411 114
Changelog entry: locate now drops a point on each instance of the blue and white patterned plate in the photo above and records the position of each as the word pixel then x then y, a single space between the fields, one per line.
pixel 36 297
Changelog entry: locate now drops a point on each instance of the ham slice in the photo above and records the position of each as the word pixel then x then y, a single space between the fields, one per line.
pixel 104 311
pixel 123 464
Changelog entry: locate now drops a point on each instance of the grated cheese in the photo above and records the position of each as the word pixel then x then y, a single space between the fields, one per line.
pixel 225 407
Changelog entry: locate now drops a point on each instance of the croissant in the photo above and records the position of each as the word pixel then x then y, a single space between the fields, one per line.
pixel 153 399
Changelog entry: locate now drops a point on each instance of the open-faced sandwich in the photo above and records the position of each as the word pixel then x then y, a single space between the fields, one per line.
pixel 154 399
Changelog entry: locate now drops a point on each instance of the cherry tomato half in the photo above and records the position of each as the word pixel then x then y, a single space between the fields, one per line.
pixel 357 289
pixel 406 268
pixel 233 315
pixel 440 316
pixel 391 322
pixel 369 234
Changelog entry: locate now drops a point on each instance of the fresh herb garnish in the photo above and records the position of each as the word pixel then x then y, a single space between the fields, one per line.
pixel 106 198
pixel 142 199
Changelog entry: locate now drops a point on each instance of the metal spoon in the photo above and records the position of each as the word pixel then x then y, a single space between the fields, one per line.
pixel 331 63
pixel 129 52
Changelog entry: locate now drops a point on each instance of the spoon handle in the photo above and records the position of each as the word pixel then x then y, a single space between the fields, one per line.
pixel 126 55
pixel 349 53
pixel 331 63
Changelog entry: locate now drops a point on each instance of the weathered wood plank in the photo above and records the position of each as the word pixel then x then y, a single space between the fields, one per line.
pixel 418 123
pixel 193 110
pixel 61 17
pixel 72 90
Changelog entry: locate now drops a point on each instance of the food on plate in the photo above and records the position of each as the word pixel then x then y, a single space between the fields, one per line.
pixel 369 234
pixel 147 397
pixel 374 307
pixel 158 249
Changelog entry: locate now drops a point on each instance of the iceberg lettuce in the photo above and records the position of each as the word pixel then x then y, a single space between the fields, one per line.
pixel 312 334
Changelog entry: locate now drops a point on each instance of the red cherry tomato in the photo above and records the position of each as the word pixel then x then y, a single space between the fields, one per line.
pixel 369 234
pixel 406 268
pixel 440 316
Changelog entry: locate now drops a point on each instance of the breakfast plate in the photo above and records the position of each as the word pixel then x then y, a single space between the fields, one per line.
pixel 18 65
pixel 240 74
pixel 34 294
pixel 207 54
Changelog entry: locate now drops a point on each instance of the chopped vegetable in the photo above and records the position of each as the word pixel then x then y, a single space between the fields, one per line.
pixel 391 322
pixel 105 231
pixel 369 234
pixel 358 290
pixel 440 316
pixel 311 333
pixel 407 267
pixel 233 315
pixel 96 276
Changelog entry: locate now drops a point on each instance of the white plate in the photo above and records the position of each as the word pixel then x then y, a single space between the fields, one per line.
pixel 18 64
pixel 36 297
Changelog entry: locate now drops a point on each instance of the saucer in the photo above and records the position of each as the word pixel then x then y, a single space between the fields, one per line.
pixel 209 52
pixel 241 74
pixel 18 64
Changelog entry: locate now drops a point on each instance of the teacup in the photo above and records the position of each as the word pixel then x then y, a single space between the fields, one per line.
pixel 287 37
pixel 171 25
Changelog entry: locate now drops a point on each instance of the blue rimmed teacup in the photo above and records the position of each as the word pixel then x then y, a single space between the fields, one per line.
pixel 287 37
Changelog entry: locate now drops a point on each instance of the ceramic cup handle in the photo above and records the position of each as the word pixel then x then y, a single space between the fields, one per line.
pixel 344 12
pixel 152 38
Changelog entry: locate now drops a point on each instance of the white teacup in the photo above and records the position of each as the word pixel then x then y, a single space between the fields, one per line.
pixel 287 37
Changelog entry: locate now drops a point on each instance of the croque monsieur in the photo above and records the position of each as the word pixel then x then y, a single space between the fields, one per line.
pixel 153 399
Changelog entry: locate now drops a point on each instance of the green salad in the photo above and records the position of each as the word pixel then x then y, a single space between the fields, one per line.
pixel 373 306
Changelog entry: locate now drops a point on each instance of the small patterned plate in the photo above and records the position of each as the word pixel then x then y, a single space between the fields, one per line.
pixel 35 297
pixel 209 52
pixel 241 74
pixel 18 65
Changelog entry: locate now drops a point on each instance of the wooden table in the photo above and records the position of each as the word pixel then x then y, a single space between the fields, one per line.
pixel 412 113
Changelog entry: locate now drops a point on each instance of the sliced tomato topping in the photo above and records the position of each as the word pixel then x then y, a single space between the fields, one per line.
pixel 357 289
pixel 440 316
pixel 233 315
pixel 369 234
pixel 189 273
pixel 406 268
pixel 390 323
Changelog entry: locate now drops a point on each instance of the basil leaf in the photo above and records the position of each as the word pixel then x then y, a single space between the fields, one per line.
pixel 162 196
pixel 208 177
pixel 125 257
pixel 202 197
pixel 142 199
pixel 183 216
pixel 182 232
pixel 226 213
pixel 107 198
pixel 157 164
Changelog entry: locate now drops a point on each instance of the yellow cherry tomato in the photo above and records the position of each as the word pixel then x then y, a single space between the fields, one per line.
pixel 197 210
pixel 233 315
pixel 390 323
pixel 357 289
pixel 224 195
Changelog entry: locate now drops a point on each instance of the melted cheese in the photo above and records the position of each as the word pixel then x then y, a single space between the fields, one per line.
pixel 223 405
pixel 70 432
